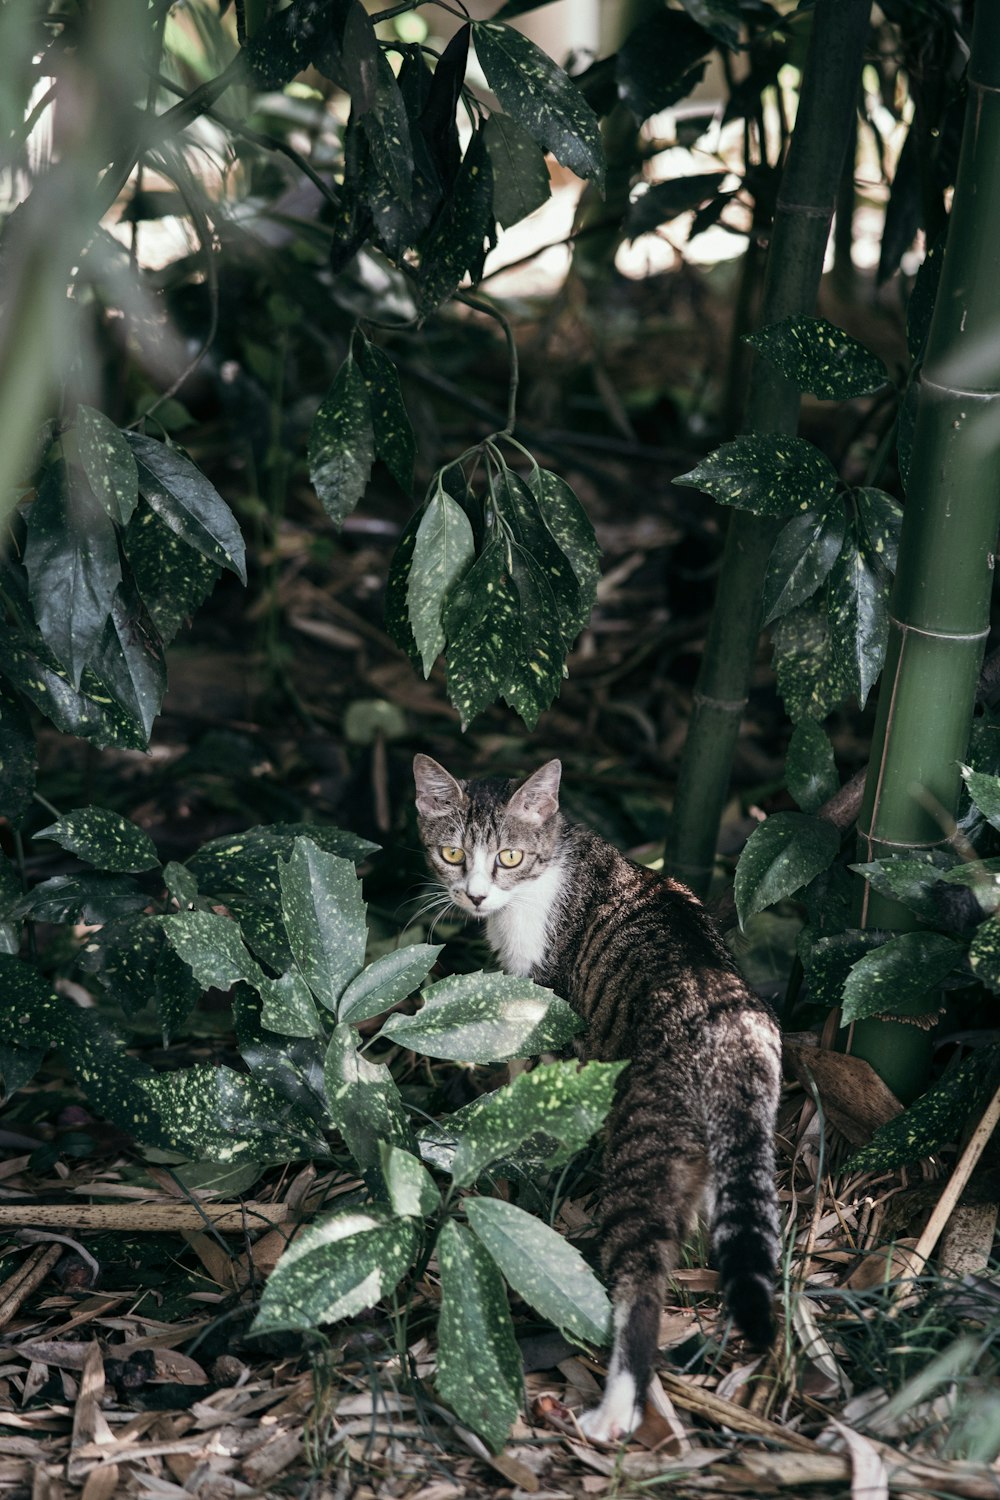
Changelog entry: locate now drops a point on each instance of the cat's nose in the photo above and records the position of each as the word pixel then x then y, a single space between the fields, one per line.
pixel 476 900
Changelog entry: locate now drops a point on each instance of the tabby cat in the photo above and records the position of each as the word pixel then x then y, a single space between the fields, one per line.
pixel 637 956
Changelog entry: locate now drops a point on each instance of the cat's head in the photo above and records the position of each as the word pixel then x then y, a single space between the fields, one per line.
pixel 487 841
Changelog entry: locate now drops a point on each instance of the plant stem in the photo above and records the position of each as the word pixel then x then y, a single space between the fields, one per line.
pixel 801 229
pixel 940 604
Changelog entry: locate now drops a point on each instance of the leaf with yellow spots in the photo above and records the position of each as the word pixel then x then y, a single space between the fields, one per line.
pixel 395 444
pixel 397 614
pixel 881 518
pixel 857 609
pixel 811 678
pixel 781 856
pixel 443 552
pixel 901 978
pixel 342 443
pixel 935 1119
pixel 108 463
pixel 484 1018
pixel 766 473
pixel 458 238
pixel 538 662
pixel 803 554
pixel 363 1099
pixel 482 622
pixel 820 359
pixel 479 1372
pixel 103 838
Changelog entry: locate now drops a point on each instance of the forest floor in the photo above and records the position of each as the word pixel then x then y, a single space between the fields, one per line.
pixel 125 1297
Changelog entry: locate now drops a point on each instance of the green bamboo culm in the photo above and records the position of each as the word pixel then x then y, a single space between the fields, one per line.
pixel 809 188
pixel 940 603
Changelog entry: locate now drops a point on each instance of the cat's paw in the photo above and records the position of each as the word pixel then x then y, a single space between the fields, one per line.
pixel 618 1414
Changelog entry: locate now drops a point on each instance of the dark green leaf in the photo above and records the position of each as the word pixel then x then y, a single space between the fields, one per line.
pixel 479 1370
pixel 213 949
pixel 666 200
pixel 897 978
pixel 247 863
pixel 17 759
pixel 188 503
pixel 820 359
pixel 910 880
pixel 138 967
pixel 523 513
pixel 359 59
pixel 324 916
pixel 858 613
pixel 881 520
pixel 129 659
pixel 782 855
pixel 537 671
pixel 307 31
pixel 91 712
pixel 438 97
pixel 364 1101
pixel 94 899
pixel 483 629
pixel 570 527
pixel 216 1114
pixel 181 884
pixel 443 552
pixel 342 443
pixel 391 978
pixel 108 463
pixel 11 906
pixel 410 1186
pixel 551 1275
pixel 810 771
pixel 18 1066
pixel 485 1018
pixel 288 1007
pixel 985 793
pixel 932 1121
pixel 811 678
pixel 395 444
pixel 336 1267
pixel 723 18
pixel 766 473
pixel 803 554
pixel 71 556
pixel 660 62
pixel 520 176
pixel 388 129
pixel 457 240
pixel 397 617
pixel 538 95
pixel 548 1114
pixel 921 303
pixel 828 961
pixel 984 954
pixel 170 577
pixel 103 838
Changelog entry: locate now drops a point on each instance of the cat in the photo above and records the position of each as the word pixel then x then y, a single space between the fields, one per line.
pixel 638 957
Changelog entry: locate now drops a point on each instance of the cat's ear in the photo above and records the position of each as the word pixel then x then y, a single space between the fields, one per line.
pixel 538 798
pixel 437 790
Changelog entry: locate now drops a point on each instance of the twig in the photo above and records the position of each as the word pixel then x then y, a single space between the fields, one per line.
pixel 142 1217
pixel 24 1281
pixel 964 1168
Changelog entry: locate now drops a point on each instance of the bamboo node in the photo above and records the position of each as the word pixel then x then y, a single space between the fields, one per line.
pixel 939 635
pixel 725 705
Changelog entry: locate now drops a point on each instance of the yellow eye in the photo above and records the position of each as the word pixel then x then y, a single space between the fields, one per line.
pixel 510 858
pixel 453 856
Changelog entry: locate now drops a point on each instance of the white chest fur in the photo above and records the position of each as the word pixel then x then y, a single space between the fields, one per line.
pixel 519 932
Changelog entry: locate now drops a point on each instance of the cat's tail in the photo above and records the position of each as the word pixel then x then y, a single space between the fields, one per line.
pixel 746 1228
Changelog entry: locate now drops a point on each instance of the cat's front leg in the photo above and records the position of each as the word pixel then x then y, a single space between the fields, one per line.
pixel 624 1401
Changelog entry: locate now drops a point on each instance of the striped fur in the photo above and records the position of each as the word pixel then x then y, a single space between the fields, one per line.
pixel 639 958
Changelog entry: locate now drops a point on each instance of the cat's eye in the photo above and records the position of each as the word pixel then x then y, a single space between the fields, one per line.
pixel 510 858
pixel 453 856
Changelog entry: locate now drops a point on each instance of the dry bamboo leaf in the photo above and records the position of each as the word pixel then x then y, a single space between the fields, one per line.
pixel 792 1470
pixel 91 1434
pixel 869 1480
pixel 817 1351
pixel 853 1096
pixel 102 1483
pixel 217 1262
pixel 272 1458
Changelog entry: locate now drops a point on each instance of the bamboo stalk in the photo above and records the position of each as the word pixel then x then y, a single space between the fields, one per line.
pixel 940 604
pixel 802 224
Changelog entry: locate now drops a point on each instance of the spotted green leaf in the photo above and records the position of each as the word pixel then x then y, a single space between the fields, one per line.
pixel 572 532
pixel 520 176
pixel 129 658
pixel 71 556
pixel 103 838
pixel 560 1101
pixel 108 463
pixel 410 1186
pixel 247 863
pixel 188 504
pixel 803 554
pixel 458 238
pixel 810 771
pixel 857 610
pixel 307 31
pixel 984 953
pixel 397 614
pixel 550 1274
pixel 723 18
pixel 539 95
pixel 782 855
pixel 444 550
pixel 342 443
pixel 766 473
pixel 932 1121
pixel 138 967
pixel 93 899
pixel 170 577
pixel 898 978
pixel 91 712
pixel 881 518
pixel 395 443
pixel 386 124
pixel 820 359
pixel 812 680
pixel 336 1267
pixel 542 570
pixel 324 916
pixel 364 1101
pixel 537 671
pixel 827 961
pixel 213 1113
pixel 180 882
pixel 482 622
pixel 484 1018
pixel 479 1371
pixel 985 793
pixel 392 977
pixel 911 880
